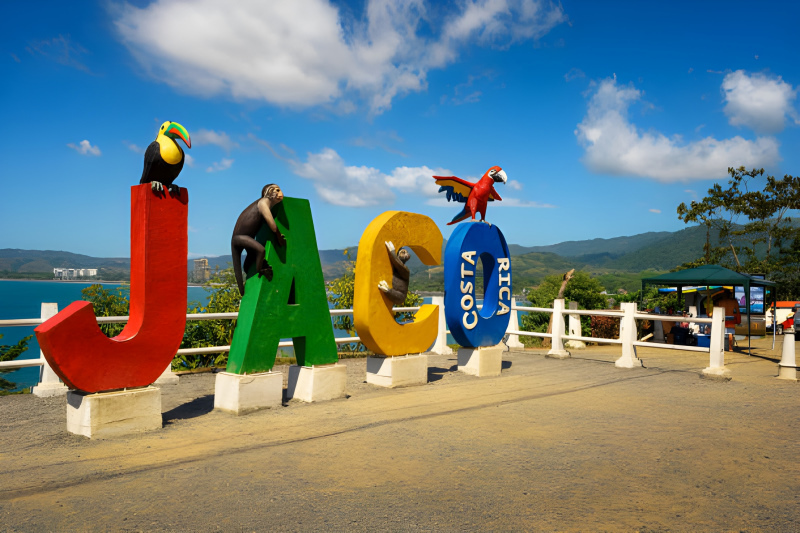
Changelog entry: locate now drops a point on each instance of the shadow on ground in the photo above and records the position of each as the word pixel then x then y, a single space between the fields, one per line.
pixel 197 407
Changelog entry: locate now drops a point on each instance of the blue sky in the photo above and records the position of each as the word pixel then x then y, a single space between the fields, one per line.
pixel 604 115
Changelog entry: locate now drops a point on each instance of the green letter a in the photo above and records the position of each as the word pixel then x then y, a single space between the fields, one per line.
pixel 292 304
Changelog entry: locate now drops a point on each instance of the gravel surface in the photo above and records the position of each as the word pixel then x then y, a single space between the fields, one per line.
pixel 550 445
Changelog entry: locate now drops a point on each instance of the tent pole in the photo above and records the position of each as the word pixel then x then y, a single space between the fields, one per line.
pixel 749 325
pixel 774 315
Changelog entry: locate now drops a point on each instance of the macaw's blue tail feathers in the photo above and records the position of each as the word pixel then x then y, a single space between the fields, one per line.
pixel 461 216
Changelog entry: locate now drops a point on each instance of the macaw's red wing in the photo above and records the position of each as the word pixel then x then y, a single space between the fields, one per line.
pixel 494 196
pixel 457 189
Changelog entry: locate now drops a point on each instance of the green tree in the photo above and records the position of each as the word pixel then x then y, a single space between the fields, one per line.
pixel 9 353
pixel 107 302
pixel 223 297
pixel 341 292
pixel 582 288
pixel 751 217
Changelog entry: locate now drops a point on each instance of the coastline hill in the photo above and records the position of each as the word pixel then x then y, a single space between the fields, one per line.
pixel 618 261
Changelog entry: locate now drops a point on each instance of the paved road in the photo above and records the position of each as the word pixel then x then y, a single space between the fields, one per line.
pixel 567 445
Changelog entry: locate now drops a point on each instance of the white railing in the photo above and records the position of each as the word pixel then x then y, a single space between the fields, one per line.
pixel 24 363
pixel 627 336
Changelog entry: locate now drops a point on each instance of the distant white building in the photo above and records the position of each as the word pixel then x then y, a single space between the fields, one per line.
pixel 74 273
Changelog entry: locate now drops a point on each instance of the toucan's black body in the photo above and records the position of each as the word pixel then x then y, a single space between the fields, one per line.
pixel 156 169
pixel 164 158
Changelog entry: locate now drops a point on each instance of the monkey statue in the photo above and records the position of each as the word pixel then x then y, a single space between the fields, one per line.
pixel 247 226
pixel 400 274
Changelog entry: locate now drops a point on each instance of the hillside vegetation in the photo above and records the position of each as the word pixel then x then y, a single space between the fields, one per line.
pixel 617 262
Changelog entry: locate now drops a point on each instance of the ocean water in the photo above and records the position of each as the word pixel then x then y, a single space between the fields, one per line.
pixel 23 299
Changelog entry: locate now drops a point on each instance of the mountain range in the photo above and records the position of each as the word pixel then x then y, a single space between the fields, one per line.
pixel 617 261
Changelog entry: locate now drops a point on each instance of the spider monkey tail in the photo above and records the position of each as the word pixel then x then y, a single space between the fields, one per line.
pixel 237 267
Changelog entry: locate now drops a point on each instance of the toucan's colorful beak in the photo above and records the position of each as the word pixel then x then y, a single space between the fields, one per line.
pixel 179 131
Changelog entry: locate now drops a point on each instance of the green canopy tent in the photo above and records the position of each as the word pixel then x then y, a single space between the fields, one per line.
pixel 711 275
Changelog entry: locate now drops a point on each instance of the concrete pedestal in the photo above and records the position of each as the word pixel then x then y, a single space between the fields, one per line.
pixel 558 354
pixel 787 368
pixel 574 325
pixel 317 383
pixel 49 383
pixel 112 414
pixel 788 373
pixel 716 373
pixel 49 389
pixel 167 377
pixel 241 394
pixel 481 362
pixel 513 341
pixel 401 371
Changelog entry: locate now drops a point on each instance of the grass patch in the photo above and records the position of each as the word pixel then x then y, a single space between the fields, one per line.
pixel 9 393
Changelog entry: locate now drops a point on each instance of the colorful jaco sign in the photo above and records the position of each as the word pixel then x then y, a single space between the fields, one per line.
pixel 290 304
pixel 472 327
pixel 372 310
pixel 82 355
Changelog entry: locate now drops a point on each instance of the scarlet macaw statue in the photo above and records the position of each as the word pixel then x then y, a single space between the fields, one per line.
pixel 474 195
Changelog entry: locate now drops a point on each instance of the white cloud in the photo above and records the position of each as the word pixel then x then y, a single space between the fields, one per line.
pixel 217 166
pixel 514 184
pixel 573 74
pixel 304 53
pixel 758 102
pixel 85 148
pixel 218 138
pixel 657 211
pixel 352 186
pixel 416 179
pixel 615 146
pixel 507 202
pixel 516 202
pixel 339 184
pixel 62 50
pixel 189 160
pixel 134 147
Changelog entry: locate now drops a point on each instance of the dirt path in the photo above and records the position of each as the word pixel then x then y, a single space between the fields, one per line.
pixel 567 445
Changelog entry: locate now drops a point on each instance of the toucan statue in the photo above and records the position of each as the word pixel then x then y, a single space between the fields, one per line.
pixel 474 195
pixel 164 158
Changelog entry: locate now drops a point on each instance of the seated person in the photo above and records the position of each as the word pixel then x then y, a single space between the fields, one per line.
pixel 732 315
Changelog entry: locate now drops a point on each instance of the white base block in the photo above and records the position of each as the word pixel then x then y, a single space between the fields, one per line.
pixel 48 390
pixel 167 377
pixel 240 394
pixel 481 362
pixel 716 373
pixel 317 383
pixel 558 354
pixel 514 343
pixel 111 414
pixel 400 371
pixel 787 372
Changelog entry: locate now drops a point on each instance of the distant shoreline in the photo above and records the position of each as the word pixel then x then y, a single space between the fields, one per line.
pixel 91 282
